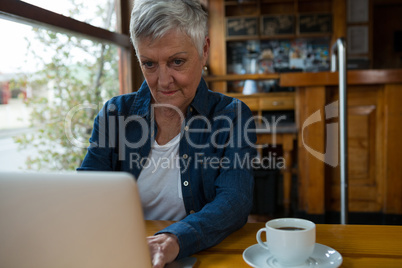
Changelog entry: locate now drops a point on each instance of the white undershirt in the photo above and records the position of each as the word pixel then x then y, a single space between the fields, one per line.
pixel 159 183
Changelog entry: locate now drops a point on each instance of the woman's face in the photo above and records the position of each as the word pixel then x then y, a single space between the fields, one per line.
pixel 172 68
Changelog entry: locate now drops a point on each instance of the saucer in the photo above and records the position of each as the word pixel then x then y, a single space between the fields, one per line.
pixel 323 257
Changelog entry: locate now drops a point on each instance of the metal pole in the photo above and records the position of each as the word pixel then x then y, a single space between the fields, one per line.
pixel 340 48
pixel 333 60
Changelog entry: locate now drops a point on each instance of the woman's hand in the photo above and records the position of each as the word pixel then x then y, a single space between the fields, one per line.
pixel 164 249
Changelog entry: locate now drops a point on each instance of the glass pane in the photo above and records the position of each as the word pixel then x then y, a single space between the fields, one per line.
pixel 99 13
pixel 52 85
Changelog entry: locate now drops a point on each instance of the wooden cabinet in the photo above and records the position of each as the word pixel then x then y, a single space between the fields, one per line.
pixel 374 110
pixel 281 102
pixel 374 143
pixel 275 101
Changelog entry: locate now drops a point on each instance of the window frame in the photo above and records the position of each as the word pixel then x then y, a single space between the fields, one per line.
pixel 130 75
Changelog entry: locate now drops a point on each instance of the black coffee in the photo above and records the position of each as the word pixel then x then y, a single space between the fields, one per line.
pixel 290 228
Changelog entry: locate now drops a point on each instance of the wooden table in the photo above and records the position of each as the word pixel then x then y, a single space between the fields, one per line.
pixel 359 245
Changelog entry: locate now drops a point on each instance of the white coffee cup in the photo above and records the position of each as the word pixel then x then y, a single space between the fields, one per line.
pixel 290 241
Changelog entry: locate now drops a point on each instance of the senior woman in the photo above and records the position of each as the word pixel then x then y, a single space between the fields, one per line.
pixel 189 148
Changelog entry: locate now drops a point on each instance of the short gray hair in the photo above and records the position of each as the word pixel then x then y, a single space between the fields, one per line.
pixel 154 18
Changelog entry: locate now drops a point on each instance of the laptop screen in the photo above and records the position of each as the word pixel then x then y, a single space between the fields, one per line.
pixel 85 219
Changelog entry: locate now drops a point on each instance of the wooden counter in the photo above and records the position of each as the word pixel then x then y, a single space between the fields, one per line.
pixel 362 77
pixel 374 137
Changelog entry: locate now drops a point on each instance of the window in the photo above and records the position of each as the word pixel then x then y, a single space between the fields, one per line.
pixel 99 13
pixel 55 74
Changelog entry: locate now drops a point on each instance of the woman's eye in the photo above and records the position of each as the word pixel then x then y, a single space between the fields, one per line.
pixel 178 62
pixel 148 64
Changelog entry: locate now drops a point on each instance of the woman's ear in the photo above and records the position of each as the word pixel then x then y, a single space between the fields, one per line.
pixel 205 51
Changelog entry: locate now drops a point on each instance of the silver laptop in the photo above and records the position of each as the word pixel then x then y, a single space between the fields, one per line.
pixel 86 219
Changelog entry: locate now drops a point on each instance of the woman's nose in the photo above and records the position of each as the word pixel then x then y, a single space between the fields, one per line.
pixel 164 77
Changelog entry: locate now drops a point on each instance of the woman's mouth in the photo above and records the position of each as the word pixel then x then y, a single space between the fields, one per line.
pixel 169 93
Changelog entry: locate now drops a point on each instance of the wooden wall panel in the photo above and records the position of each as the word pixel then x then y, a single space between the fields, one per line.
pixel 393 147
pixel 301 154
pixel 130 74
pixel 365 152
pixel 312 175
pixel 386 23
pixel 217 52
pixel 339 20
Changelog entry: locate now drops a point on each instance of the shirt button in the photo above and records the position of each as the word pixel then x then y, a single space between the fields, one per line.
pixel 186 128
pixel 191 109
pixel 185 183
pixel 185 156
pixel 192 211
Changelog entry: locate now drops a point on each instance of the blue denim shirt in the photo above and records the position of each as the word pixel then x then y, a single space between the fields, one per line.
pixel 216 153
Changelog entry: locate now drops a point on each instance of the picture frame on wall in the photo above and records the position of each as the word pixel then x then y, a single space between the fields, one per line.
pixel 276 25
pixel 358 11
pixel 358 40
pixel 315 23
pixel 237 27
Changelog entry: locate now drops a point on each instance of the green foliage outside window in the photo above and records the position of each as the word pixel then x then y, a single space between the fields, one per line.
pixel 80 73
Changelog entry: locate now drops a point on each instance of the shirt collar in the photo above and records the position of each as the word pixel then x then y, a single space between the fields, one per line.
pixel 200 101
pixel 142 104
